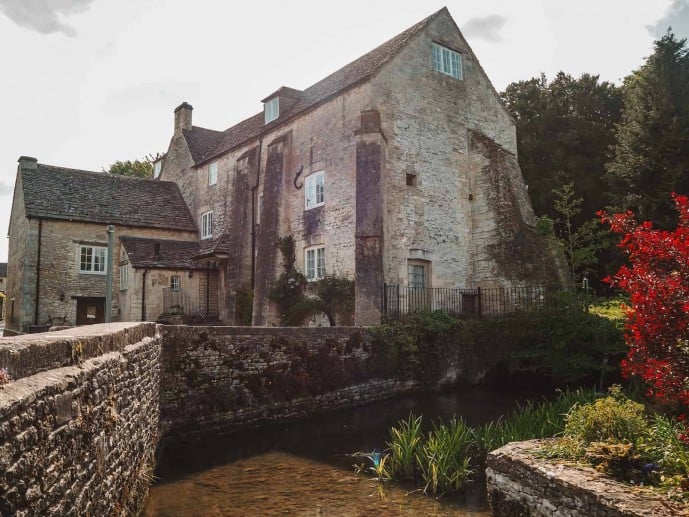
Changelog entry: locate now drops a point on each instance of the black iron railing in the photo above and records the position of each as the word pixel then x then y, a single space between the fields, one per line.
pixel 399 301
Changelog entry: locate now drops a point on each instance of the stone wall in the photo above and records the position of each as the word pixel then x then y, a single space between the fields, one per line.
pixel 218 379
pixel 79 420
pixel 520 484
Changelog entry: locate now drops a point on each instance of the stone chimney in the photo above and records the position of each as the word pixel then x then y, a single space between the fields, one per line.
pixel 27 163
pixel 182 117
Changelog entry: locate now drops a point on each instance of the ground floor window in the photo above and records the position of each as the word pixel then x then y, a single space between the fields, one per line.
pixel 417 274
pixel 92 259
pixel 175 282
pixel 315 263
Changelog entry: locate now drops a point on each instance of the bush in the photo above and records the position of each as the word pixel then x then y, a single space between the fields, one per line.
pixel 613 419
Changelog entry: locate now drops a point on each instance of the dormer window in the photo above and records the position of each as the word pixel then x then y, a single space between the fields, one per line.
pixel 272 109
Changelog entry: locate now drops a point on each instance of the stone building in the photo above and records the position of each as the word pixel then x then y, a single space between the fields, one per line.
pixel 399 168
pixel 58 246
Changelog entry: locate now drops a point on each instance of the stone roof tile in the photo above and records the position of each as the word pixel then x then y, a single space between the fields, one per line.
pixel 59 193
pixel 204 144
pixel 170 254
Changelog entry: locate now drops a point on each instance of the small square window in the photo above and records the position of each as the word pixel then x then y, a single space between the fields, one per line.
pixel 314 190
pixel 213 173
pixel 175 282
pixel 207 225
pixel 271 109
pixel 315 263
pixel 411 180
pixel 447 61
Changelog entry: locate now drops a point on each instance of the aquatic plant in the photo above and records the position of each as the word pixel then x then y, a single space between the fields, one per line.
pixel 404 445
pixel 445 457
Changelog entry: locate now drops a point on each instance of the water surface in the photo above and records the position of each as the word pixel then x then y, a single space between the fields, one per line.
pixel 304 468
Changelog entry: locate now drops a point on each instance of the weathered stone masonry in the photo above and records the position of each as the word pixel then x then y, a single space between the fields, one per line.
pixel 223 378
pixel 520 484
pixel 79 421
pixel 81 418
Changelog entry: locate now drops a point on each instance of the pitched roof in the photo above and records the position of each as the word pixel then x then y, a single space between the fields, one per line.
pixel 59 193
pixel 217 247
pixel 204 144
pixel 171 254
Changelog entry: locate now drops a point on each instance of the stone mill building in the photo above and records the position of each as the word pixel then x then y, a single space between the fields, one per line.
pixel 399 168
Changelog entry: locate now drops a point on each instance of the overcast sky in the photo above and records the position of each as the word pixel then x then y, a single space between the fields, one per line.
pixel 84 83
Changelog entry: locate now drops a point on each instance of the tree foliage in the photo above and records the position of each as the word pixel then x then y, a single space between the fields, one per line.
pixel 657 280
pixel 651 154
pixel 564 131
pixel 136 168
pixel 580 244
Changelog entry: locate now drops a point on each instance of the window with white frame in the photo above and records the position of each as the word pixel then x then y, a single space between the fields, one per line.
pixel 124 277
pixel 207 225
pixel 314 258
pixel 157 167
pixel 92 259
pixel 213 173
pixel 447 61
pixel 175 282
pixel 271 109
pixel 314 190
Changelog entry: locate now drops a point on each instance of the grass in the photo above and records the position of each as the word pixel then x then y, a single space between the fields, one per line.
pixel 611 308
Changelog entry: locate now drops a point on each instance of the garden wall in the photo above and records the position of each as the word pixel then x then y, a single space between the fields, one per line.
pixel 521 484
pixel 79 420
pixel 217 379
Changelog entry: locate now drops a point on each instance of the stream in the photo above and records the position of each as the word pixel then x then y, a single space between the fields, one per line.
pixel 304 468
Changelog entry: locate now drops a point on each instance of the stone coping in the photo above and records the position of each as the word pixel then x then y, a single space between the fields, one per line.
pixel 29 354
pixel 269 331
pixel 519 482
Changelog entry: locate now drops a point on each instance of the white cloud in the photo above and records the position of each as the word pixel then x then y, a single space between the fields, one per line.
pixel 44 16
pixel 485 27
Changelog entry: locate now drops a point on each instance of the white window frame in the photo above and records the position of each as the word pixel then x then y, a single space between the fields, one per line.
pixel 124 277
pixel 314 190
pixel 271 110
pixel 96 263
pixel 157 168
pixel 176 283
pixel 212 173
pixel 447 61
pixel 314 263
pixel 207 225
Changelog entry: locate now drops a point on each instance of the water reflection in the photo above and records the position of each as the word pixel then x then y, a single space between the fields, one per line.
pixel 304 468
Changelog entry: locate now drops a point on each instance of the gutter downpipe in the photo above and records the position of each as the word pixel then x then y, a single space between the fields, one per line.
pixel 38 271
pixel 108 282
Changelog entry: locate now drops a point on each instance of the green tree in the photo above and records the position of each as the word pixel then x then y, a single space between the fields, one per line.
pixel 651 153
pixel 564 131
pixel 581 244
pixel 137 168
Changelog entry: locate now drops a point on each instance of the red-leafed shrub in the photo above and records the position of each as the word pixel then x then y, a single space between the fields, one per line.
pixel 657 280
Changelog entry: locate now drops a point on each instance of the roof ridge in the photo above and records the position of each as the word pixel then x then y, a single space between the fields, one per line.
pixel 352 73
pixel 102 174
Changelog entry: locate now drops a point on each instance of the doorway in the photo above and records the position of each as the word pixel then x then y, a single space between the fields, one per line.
pixel 90 311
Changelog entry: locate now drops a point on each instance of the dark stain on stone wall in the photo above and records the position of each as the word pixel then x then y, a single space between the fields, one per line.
pixel 521 253
pixel 269 231
pixel 313 221
pixel 369 226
